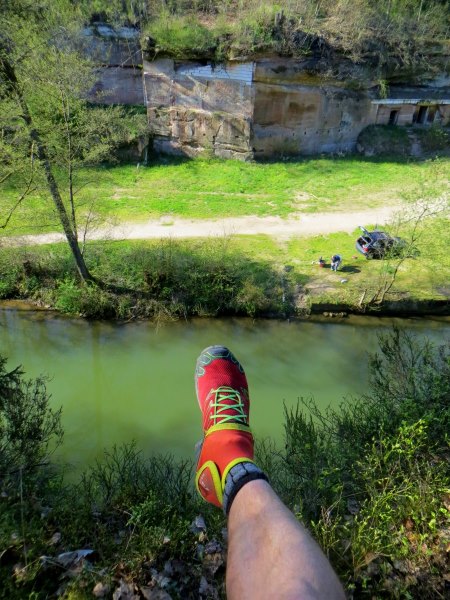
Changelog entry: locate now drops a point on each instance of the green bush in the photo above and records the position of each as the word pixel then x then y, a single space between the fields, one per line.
pixel 8 284
pixel 394 521
pixel 174 279
pixel 29 428
pixel 180 36
pixel 371 477
pixel 384 140
pixel 409 381
pixel 434 138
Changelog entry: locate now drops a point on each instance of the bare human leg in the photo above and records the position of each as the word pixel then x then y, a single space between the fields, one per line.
pixel 271 555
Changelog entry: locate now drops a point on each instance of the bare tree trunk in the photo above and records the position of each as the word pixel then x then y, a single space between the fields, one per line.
pixel 72 201
pixel 41 152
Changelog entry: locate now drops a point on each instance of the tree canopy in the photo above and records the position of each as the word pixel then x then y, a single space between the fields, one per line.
pixel 48 128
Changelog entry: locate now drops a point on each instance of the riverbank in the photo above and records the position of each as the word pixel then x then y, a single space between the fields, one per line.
pixel 253 275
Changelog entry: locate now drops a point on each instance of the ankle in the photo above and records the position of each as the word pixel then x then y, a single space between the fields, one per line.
pixel 238 476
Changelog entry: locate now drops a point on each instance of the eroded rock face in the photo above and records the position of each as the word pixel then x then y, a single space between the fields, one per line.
pixel 300 115
pixel 118 53
pixel 192 112
pixel 272 106
pixel 193 132
pixel 246 110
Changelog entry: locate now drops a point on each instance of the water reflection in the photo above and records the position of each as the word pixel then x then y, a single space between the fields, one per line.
pixel 122 382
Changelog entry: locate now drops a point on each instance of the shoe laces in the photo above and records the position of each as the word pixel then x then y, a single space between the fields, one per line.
pixel 227 399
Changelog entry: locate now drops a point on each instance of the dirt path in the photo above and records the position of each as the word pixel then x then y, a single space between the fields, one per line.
pixel 304 225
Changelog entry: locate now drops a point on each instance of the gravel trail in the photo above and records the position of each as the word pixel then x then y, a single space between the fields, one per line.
pixel 303 225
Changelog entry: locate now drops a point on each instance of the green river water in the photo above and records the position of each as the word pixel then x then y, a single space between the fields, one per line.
pixel 118 383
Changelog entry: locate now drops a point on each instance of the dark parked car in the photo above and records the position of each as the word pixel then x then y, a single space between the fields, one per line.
pixel 378 244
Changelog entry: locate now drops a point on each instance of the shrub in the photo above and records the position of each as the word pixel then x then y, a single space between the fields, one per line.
pixel 409 381
pixel 29 428
pixel 394 521
pixel 384 140
pixel 180 36
pixel 371 478
pixel 434 138
pixel 8 284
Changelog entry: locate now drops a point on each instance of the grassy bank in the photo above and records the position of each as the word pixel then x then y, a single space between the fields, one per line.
pixel 370 481
pixel 246 275
pixel 215 189
pixel 146 280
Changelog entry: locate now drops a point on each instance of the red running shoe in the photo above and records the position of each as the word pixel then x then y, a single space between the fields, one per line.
pixel 222 393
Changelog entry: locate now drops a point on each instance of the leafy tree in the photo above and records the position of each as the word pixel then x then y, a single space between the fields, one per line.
pixel 48 128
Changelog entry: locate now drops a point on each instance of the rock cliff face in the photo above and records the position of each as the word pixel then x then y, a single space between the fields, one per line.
pixel 119 56
pixel 195 109
pixel 296 112
pixel 249 110
pixel 269 106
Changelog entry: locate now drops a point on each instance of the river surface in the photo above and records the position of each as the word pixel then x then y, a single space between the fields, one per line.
pixel 118 383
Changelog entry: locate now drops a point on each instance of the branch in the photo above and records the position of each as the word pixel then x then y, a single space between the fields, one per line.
pixel 28 189
pixel 5 177
pixel 89 219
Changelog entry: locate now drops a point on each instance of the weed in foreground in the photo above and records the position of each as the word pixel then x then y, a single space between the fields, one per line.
pixel 370 480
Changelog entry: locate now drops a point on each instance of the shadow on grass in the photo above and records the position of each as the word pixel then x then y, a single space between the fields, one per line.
pixel 142 280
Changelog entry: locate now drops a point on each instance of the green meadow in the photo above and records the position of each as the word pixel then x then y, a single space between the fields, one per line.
pixel 199 189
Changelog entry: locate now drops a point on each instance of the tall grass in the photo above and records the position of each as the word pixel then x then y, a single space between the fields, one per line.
pixel 139 280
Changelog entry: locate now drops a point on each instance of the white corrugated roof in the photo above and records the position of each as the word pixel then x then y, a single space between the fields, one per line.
pixel 237 72
pixel 391 101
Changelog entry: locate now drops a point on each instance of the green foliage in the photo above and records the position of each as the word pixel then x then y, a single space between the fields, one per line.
pixel 371 477
pixel 409 381
pixel 180 36
pixel 398 32
pixel 384 140
pixel 123 479
pixel 29 428
pixel 434 138
pixel 395 519
pixel 166 279
pixel 45 79
pixel 88 300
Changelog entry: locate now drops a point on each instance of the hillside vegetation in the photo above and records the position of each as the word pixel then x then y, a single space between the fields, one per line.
pixel 385 32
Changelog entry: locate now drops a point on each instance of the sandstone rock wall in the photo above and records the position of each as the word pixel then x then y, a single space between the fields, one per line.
pixel 197 115
pixel 119 56
pixel 269 107
pixel 298 113
pixel 281 109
